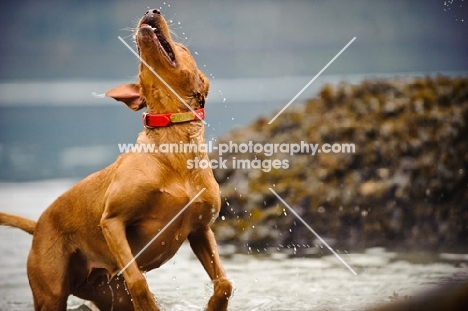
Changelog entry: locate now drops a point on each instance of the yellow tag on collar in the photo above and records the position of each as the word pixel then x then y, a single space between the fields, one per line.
pixel 182 117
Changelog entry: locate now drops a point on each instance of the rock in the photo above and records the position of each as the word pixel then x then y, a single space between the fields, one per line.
pixel 405 184
pixel 373 188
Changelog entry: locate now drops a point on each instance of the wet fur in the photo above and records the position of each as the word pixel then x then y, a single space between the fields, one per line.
pixel 92 231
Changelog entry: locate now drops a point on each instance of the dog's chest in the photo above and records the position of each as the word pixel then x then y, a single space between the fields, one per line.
pixel 199 208
pixel 198 198
pixel 171 219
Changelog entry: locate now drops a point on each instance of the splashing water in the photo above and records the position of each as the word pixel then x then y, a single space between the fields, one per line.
pixel 278 280
pixel 112 293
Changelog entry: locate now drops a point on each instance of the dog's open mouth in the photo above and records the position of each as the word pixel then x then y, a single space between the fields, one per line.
pixel 164 45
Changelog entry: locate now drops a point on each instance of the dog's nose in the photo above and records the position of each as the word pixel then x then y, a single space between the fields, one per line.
pixel 153 11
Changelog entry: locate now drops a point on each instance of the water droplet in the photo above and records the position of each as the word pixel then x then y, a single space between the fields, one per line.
pixel 223 218
pixel 112 293
pixel 224 100
pixel 196 53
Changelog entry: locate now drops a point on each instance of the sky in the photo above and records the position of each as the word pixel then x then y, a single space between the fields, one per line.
pixel 71 39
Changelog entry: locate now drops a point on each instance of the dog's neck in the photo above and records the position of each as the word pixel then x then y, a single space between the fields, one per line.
pixel 160 99
pixel 181 134
pixel 166 119
pixel 192 132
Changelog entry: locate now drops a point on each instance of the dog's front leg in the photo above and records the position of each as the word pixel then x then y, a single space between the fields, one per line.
pixel 114 232
pixel 203 244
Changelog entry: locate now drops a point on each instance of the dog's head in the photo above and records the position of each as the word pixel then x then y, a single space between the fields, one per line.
pixel 164 63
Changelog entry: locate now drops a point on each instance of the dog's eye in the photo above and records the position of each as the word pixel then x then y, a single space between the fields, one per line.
pixel 201 99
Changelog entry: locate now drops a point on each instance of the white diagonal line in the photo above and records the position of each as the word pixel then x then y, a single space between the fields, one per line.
pixel 162 80
pixel 312 230
pixel 162 230
pixel 311 81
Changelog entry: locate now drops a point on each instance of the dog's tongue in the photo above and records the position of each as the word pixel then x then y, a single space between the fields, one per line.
pixel 144 25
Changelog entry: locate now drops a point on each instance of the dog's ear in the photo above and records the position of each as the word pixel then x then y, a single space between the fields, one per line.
pixel 128 94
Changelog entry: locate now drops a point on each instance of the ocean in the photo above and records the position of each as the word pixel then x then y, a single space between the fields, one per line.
pixel 263 282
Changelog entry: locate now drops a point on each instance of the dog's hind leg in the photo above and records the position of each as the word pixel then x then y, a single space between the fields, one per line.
pixel 95 285
pixel 48 278
pixel 106 294
pixel 203 244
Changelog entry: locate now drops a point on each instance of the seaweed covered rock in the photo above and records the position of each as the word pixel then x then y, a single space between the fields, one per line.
pixel 402 184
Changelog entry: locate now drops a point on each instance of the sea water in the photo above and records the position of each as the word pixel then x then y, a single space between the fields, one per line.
pixel 273 281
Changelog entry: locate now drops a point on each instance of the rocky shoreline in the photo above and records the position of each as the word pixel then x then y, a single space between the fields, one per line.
pixel 404 186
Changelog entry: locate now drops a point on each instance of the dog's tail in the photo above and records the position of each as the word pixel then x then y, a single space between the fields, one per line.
pixel 17 222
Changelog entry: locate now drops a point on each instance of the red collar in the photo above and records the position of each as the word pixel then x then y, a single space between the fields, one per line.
pixel 165 119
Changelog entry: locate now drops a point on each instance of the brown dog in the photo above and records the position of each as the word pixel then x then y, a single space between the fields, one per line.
pixel 92 232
